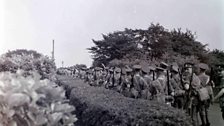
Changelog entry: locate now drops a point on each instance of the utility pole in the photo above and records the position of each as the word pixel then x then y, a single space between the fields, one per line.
pixel 53 51
pixel 62 64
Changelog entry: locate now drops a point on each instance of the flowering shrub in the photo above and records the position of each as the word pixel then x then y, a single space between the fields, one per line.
pixel 28 61
pixel 30 101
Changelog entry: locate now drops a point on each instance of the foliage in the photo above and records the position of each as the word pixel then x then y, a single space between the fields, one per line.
pixel 28 60
pixel 151 44
pixel 102 107
pixel 29 101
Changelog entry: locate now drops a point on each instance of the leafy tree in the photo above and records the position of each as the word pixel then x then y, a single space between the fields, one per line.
pixel 113 46
pixel 151 45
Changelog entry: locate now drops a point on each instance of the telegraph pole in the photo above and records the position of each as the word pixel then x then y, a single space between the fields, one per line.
pixel 53 51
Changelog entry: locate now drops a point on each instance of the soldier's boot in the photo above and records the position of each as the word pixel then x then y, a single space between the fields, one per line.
pixel 207 120
pixel 223 115
pixel 203 123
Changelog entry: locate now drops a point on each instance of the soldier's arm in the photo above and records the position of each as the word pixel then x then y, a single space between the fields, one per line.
pixel 219 94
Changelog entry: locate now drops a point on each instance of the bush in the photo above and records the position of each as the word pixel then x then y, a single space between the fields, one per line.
pixel 102 107
pixel 29 101
pixel 28 60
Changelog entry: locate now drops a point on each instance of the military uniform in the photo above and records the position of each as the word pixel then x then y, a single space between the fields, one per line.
pixel 117 80
pixel 136 88
pixel 146 83
pixel 192 85
pixel 204 105
pixel 159 85
pixel 127 83
pixel 177 88
pixel 98 78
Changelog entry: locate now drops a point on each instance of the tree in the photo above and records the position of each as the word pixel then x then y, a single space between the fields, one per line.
pixel 113 46
pixel 150 44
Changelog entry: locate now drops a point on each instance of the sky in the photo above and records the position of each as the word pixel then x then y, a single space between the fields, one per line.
pixel 33 24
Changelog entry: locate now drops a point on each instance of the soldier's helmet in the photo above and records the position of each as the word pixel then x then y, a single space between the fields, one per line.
pixel 151 68
pixel 89 71
pixel 83 68
pixel 117 70
pixel 174 69
pixel 145 69
pixel 123 71
pixel 98 68
pixel 111 70
pixel 128 70
pixel 159 69
pixel 106 68
pixel 203 66
pixel 164 65
pixel 137 67
pixel 188 65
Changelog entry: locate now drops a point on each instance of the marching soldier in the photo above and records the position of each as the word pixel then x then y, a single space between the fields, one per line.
pixel 136 89
pixel 220 95
pixel 192 85
pixel 127 83
pixel 146 83
pixel 177 88
pixel 117 80
pixel 204 105
pixel 89 77
pixel 97 76
pixel 159 85
pixel 109 78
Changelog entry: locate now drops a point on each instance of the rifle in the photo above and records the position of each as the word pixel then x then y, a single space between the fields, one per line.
pixel 113 79
pixel 181 78
pixel 211 77
pixel 190 90
pixel 168 82
pixel 153 75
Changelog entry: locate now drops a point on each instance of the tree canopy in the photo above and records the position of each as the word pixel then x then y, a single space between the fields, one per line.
pixel 155 43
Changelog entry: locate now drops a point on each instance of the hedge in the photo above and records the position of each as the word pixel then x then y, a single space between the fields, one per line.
pixel 96 106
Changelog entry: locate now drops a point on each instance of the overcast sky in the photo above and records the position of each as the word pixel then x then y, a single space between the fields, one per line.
pixel 32 24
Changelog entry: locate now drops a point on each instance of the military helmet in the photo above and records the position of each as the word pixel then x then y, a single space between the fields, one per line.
pixel 188 65
pixel 164 65
pixel 159 69
pixel 98 68
pixel 123 71
pixel 151 68
pixel 174 68
pixel 128 70
pixel 145 69
pixel 137 67
pixel 117 70
pixel 111 69
pixel 203 66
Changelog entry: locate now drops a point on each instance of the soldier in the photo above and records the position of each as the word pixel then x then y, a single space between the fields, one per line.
pixel 191 84
pixel 117 80
pixel 152 73
pixel 204 105
pixel 98 78
pixel 159 85
pixel 146 84
pixel 89 77
pixel 136 89
pixel 127 83
pixel 109 79
pixel 220 95
pixel 105 73
pixel 177 88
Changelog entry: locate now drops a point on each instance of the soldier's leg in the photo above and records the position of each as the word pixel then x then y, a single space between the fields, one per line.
pixel 194 115
pixel 206 112
pixel 222 109
pixel 202 113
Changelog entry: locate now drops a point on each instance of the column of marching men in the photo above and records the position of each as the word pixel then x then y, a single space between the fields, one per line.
pixel 170 84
